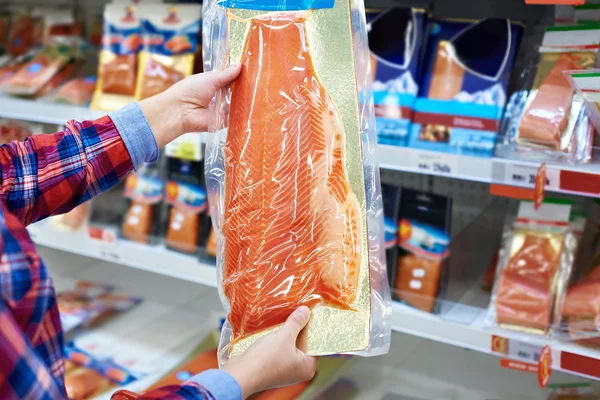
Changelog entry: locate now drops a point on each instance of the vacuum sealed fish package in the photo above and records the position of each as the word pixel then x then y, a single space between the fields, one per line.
pixel 547 115
pixel 534 266
pixel 291 176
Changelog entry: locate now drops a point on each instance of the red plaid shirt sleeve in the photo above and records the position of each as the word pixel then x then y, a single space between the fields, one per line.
pixel 42 176
pixel 52 174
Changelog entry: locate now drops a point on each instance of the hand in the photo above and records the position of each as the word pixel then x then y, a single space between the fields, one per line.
pixel 184 106
pixel 274 360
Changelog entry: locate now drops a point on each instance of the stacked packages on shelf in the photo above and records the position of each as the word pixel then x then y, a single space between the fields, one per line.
pixel 417 228
pixel 546 276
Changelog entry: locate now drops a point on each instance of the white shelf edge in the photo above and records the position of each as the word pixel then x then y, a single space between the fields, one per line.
pixel 478 336
pixel 156 259
pixel 44 112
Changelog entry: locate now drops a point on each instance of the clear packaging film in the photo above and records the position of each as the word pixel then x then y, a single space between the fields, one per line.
pixel 534 265
pixel 292 177
pixel 548 115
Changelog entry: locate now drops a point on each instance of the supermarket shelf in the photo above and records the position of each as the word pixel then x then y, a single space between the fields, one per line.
pixel 42 112
pixel 514 171
pixel 461 325
pixel 155 259
pixel 472 332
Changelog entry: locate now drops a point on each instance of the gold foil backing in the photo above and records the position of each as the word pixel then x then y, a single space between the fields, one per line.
pixel 330 41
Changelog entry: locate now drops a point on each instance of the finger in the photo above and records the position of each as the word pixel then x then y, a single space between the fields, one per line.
pixel 310 367
pixel 296 322
pixel 223 77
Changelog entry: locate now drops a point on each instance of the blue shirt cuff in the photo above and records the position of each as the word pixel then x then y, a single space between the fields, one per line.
pixel 136 133
pixel 219 383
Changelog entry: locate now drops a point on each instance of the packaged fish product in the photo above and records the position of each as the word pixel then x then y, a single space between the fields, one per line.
pixel 21 37
pixel 423 248
pixel 186 199
pixel 118 61
pixel 292 182
pixel 535 261
pixel 85 383
pixel 391 209
pixel 144 192
pixel 548 116
pixel 77 91
pixel 463 91
pixel 397 38
pixel 169 35
pixel 74 221
pixel 34 75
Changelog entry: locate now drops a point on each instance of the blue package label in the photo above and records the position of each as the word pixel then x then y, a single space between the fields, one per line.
pixel 187 197
pixel 171 30
pixel 144 189
pixel 277 5
pixel 464 87
pixel 390 232
pixel 396 40
pixel 423 240
pixel 122 30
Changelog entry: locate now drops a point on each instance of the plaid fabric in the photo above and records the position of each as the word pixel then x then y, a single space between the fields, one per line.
pixel 42 176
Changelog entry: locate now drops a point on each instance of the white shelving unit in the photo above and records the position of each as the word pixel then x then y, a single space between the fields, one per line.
pixel 155 259
pixel 474 335
pixel 461 326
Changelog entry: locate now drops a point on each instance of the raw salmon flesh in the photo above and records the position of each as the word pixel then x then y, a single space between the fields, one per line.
pixel 291 221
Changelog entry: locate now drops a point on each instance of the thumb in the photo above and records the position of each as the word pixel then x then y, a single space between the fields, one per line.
pixel 222 77
pixel 296 322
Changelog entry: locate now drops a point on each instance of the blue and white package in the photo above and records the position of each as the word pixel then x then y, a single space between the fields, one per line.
pixel 396 40
pixel 463 91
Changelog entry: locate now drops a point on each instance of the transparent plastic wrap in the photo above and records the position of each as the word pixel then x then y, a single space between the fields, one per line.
pixel 534 265
pixel 547 116
pixel 292 177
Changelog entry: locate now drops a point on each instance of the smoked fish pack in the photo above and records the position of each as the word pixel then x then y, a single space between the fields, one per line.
pixel 291 175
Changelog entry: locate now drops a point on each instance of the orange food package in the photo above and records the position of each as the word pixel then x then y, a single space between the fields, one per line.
pixel 546 118
pixel 536 258
pixel 21 37
pixel 549 116
pixel 77 91
pixel 260 227
pixel 187 201
pixel 169 34
pixel 118 61
pixel 144 190
pixel 34 75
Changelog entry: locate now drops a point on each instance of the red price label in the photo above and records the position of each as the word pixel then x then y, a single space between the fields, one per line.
pixel 539 190
pixel 545 366
pixel 561 2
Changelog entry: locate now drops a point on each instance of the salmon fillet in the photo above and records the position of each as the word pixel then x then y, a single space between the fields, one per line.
pixel 291 220
pixel 525 295
pixel 547 116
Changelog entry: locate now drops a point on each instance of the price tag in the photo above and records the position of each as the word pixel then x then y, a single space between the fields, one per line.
pixel 561 2
pixel 525 175
pixel 101 234
pixel 434 164
pixel 545 366
pixel 515 349
pixel 518 365
pixel 539 190
pixel 110 255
